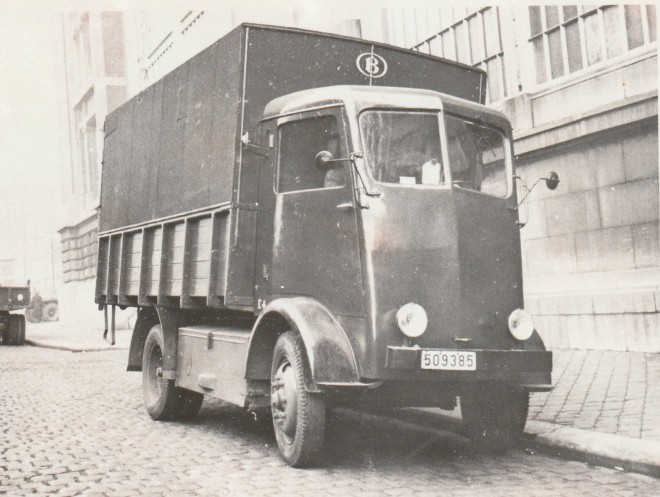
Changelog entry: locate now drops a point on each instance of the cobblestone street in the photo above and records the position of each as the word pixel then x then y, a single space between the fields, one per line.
pixel 74 424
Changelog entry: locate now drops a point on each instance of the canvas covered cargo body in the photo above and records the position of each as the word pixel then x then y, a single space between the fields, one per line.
pixel 175 151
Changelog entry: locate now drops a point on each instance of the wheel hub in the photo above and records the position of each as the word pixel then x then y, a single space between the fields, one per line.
pixel 283 399
pixel 155 378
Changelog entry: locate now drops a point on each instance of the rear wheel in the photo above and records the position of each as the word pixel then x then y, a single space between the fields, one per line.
pixel 189 404
pixel 162 399
pixel 298 415
pixel 50 312
pixel 494 416
pixel 14 333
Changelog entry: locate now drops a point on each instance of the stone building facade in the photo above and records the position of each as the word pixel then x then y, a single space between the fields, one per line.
pixel 95 81
pixel 580 86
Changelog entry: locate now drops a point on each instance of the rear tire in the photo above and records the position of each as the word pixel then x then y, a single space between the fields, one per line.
pixel 298 415
pixel 494 416
pixel 14 333
pixel 162 398
pixel 188 404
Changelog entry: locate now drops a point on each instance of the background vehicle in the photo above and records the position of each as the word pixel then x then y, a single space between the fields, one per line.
pixel 12 326
pixel 42 310
pixel 306 220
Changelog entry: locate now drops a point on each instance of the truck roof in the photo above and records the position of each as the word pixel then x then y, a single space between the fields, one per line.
pixel 362 97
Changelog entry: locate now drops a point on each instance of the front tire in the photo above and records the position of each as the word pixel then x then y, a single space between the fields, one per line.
pixel 494 416
pixel 298 415
pixel 162 398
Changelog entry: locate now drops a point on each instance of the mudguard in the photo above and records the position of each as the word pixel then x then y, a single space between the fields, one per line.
pixel 535 342
pixel 147 317
pixel 330 355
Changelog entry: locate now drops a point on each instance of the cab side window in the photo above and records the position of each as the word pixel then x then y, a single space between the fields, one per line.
pixel 300 141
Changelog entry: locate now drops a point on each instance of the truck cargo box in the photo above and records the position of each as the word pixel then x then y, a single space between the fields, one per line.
pixel 173 147
pixel 176 180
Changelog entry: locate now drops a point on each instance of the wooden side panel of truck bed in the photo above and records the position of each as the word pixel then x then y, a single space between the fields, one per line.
pixel 181 262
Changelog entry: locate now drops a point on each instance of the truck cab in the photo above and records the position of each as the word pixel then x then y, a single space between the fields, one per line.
pixel 390 215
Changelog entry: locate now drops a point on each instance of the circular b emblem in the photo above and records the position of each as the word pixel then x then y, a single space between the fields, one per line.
pixel 371 65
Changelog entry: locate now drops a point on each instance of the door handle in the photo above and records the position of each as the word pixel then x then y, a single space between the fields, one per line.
pixel 345 205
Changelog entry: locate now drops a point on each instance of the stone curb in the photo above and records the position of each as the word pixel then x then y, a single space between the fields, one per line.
pixel 600 449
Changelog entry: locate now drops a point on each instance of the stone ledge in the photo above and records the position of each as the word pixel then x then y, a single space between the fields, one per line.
pixel 619 332
pixel 624 112
pixel 636 302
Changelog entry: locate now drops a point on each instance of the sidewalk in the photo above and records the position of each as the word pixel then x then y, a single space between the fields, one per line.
pixel 604 409
pixel 606 392
pixel 55 335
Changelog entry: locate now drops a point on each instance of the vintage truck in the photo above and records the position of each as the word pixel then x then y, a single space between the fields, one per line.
pixel 306 221
pixel 12 326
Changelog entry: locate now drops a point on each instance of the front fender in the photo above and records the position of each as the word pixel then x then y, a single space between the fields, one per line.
pixel 330 355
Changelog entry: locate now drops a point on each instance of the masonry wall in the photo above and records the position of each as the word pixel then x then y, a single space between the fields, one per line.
pixel 591 248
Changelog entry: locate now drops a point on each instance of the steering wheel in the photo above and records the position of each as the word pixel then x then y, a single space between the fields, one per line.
pixel 466 185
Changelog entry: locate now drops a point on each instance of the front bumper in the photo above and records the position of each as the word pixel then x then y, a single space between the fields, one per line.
pixel 529 368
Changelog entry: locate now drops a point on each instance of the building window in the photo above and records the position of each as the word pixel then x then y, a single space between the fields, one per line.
pixel 112 25
pixel 86 141
pixel 569 38
pixel 83 49
pixel 475 40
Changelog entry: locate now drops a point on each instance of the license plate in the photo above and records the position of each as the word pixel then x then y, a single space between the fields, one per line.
pixel 453 360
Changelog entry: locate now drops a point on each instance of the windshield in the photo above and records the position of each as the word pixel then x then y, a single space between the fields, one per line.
pixel 403 147
pixel 476 156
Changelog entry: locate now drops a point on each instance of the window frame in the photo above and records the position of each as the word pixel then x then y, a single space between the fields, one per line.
pixel 509 169
pixel 581 16
pixel 446 185
pixel 437 45
pixel 337 112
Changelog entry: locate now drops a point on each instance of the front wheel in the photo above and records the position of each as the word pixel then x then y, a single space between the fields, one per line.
pixel 298 415
pixel 494 416
pixel 162 398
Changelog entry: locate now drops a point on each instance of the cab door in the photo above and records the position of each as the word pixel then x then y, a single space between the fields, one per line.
pixel 307 216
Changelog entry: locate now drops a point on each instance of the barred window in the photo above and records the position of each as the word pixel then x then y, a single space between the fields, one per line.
pixel 475 40
pixel 568 38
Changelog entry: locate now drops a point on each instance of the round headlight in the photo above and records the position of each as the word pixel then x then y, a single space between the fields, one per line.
pixel 19 297
pixel 521 324
pixel 412 320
